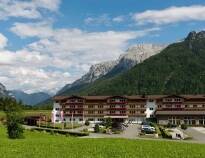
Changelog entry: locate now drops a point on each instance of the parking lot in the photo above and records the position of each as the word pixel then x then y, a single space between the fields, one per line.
pixel 197 133
pixel 130 132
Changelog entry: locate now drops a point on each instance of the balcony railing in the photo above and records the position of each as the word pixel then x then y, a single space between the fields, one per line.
pixel 117 108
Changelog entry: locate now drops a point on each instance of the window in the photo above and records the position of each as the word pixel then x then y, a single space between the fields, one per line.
pixel 122 106
pixel 132 106
pixel 177 99
pixel 151 100
pixel 151 109
pixel 195 106
pixel 100 119
pixel 168 100
pixel 100 112
pixel 100 106
pixel 142 106
pixel 112 112
pixel 80 112
pixel 57 109
pixel 90 112
pixel 168 106
pixel 177 106
pixel 57 115
pixel 122 112
pixel 90 106
pixel 132 112
pixel 112 106
pixel 72 106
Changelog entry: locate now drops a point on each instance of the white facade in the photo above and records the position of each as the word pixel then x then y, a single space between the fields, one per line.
pixel 151 107
pixel 56 113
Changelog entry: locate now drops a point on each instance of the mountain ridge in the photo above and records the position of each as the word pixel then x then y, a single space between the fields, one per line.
pixel 29 99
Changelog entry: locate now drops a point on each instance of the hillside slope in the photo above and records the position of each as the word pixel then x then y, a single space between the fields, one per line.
pixel 29 99
pixel 180 68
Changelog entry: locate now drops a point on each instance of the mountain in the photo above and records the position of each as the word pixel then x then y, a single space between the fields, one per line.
pixel 178 69
pixel 29 99
pixel 95 72
pixel 3 91
pixel 133 56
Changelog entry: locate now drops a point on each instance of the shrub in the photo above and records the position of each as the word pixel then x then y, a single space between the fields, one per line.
pixel 97 128
pixel 165 134
pixel 87 123
pixel 13 118
pixel 85 130
pixel 108 122
pixel 184 127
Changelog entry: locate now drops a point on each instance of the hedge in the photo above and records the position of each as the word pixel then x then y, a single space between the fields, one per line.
pixel 80 134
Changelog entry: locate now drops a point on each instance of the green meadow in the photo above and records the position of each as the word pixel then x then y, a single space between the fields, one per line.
pixel 40 144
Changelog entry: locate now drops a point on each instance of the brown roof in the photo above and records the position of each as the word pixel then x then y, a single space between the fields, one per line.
pixel 180 112
pixel 132 97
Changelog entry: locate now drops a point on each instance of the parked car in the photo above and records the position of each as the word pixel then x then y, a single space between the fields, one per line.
pixel 147 129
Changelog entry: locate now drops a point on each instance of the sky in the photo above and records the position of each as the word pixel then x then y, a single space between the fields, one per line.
pixel 45 44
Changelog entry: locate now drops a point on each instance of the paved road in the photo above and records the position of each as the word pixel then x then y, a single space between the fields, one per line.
pixel 131 132
pixel 196 133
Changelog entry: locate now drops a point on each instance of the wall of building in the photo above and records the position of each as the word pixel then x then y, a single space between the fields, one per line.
pixel 151 107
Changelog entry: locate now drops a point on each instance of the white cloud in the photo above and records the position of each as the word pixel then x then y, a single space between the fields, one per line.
pixel 26 9
pixel 118 19
pixel 171 15
pixel 103 19
pixel 59 56
pixel 41 29
pixel 3 41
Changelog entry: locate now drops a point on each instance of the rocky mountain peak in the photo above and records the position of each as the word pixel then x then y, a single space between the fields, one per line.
pixel 3 91
pixel 140 52
pixel 193 36
pixel 95 72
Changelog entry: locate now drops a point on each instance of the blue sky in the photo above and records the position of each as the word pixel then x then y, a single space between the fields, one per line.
pixel 45 44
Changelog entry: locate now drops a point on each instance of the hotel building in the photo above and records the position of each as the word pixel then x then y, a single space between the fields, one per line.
pixel 176 109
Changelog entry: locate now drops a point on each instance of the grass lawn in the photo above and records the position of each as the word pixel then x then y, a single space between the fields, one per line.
pixel 37 145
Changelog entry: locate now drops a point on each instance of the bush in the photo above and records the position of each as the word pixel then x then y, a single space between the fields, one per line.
pixel 108 122
pixel 14 129
pixel 13 118
pixel 184 127
pixel 97 128
pixel 165 134
pixel 87 123
pixel 85 130
pixel 62 132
